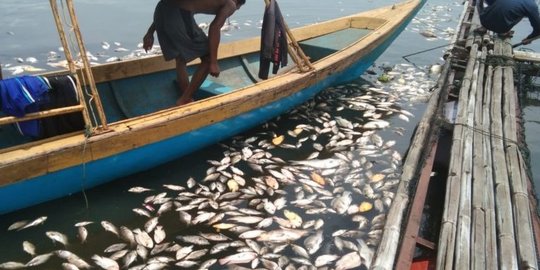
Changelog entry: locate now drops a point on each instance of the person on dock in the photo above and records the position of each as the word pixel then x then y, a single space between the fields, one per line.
pixel 182 39
pixel 500 16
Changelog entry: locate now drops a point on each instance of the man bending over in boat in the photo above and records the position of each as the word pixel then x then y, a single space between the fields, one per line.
pixel 182 39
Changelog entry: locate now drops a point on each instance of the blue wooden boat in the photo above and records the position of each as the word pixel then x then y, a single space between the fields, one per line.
pixel 146 129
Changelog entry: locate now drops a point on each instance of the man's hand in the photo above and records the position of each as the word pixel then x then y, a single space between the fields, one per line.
pixel 214 70
pixel 148 41
pixel 526 41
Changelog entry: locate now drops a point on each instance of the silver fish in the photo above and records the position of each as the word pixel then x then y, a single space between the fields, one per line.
pixel 40 259
pixel 313 242
pixel 57 237
pixel 106 263
pixel 12 265
pixel 29 248
pixel 183 252
pixel 349 261
pixel 142 238
pixel 35 222
pixel 282 235
pixel 328 163
pixel 108 226
pixel 238 258
pixel 325 259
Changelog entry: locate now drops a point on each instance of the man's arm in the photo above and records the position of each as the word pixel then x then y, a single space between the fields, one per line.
pixel 214 33
pixel 148 39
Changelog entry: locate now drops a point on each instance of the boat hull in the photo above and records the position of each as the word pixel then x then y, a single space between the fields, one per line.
pixel 57 184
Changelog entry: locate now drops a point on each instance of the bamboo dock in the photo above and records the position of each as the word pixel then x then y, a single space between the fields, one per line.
pixel 489 216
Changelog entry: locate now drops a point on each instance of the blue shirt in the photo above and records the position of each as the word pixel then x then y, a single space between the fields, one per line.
pixel 22 95
pixel 501 15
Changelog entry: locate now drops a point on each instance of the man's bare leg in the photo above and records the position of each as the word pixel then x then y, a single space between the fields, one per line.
pixel 182 76
pixel 196 81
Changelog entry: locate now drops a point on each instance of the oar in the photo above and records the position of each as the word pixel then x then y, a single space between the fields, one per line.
pixel 521 43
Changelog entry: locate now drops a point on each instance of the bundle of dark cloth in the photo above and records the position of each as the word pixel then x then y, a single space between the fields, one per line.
pixel 273 41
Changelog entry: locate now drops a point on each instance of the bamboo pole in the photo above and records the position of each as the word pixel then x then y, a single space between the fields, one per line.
pixel 489 203
pixel 463 237
pixel 447 236
pixel 70 61
pixel 478 219
pixel 87 70
pixel 520 196
pixel 505 227
pixel 42 114
pixel 298 56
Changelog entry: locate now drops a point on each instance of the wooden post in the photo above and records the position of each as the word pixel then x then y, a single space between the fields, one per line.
pixel 1 76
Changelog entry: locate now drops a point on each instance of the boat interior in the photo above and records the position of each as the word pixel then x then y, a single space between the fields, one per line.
pixel 138 87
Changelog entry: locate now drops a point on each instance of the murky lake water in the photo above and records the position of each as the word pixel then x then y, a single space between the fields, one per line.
pixel 324 127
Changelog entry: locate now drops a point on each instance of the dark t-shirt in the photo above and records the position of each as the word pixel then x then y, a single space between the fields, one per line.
pixel 501 15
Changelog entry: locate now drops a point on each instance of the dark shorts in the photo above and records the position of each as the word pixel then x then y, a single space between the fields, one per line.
pixel 178 33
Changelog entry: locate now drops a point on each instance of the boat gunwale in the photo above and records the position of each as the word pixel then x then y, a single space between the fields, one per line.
pixel 14 156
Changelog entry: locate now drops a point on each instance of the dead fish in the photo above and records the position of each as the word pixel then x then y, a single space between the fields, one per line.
pixel 35 222
pixel 17 225
pixel 238 258
pixel 12 265
pixel 328 163
pixel 281 235
pixel 194 239
pixel 115 247
pixel 159 234
pixel 40 259
pixel 69 266
pixel 139 189
pixel 106 263
pixel 142 238
pixel 82 233
pixel 325 260
pixel 183 252
pixel 29 248
pixel 57 237
pixel 108 226
pixel 313 242
pixel 342 203
pixel 349 261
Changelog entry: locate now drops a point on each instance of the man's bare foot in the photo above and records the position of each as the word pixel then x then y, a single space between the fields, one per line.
pixel 181 102
pixel 508 34
pixel 480 30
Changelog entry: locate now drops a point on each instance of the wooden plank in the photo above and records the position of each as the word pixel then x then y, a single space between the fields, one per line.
pixel 507 253
pixel 48 113
pixel 410 235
